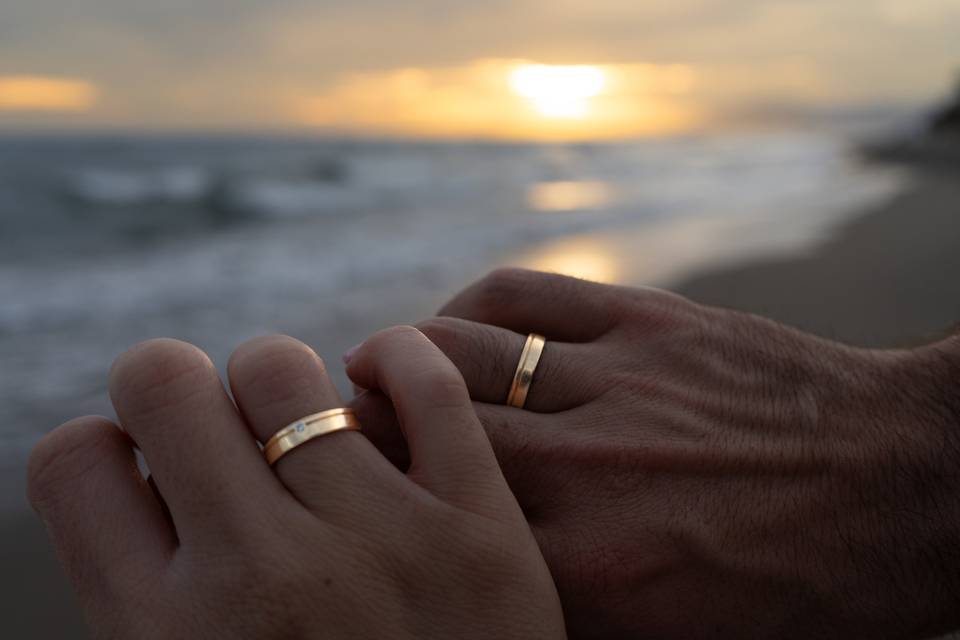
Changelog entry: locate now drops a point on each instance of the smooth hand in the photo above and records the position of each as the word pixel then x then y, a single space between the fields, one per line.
pixel 694 472
pixel 332 542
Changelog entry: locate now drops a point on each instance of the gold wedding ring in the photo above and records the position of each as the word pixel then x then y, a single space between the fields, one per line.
pixel 308 428
pixel 523 378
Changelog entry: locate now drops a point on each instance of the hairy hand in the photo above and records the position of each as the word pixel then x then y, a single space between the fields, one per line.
pixel 333 542
pixel 694 472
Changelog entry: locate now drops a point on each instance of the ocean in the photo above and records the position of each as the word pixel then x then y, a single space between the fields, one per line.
pixel 109 240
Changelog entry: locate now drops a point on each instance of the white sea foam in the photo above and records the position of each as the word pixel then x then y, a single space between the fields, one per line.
pixel 118 187
pixel 296 198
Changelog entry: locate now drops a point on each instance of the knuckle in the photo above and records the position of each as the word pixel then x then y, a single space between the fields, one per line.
pixel 157 373
pixel 442 332
pixel 400 341
pixel 273 352
pixel 474 349
pixel 402 331
pixel 458 340
pixel 279 368
pixel 654 311
pixel 504 283
pixel 395 336
pixel 65 455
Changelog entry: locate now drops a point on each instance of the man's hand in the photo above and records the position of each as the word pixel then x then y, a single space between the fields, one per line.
pixel 694 472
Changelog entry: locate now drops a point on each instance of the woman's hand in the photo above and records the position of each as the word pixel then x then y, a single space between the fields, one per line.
pixel 693 472
pixel 333 542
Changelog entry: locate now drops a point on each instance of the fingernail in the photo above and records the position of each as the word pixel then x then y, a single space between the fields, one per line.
pixel 348 356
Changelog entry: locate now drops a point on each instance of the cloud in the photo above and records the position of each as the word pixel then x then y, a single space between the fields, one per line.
pixel 243 63
pixel 920 12
pixel 37 93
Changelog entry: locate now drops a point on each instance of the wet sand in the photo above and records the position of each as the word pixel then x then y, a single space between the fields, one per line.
pixel 888 278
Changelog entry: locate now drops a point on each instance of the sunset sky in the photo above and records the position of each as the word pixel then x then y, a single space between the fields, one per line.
pixel 497 69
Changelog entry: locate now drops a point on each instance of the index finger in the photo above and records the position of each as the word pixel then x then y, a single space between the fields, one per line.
pixel 450 454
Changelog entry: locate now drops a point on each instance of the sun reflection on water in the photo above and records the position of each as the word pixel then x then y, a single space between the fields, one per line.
pixel 584 258
pixel 568 195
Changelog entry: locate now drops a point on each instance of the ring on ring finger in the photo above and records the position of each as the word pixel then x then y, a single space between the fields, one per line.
pixel 523 377
pixel 307 428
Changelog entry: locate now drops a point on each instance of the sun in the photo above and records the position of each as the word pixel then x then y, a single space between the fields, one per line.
pixel 561 92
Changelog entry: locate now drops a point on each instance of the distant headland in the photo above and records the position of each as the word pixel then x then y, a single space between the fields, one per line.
pixel 936 145
pixel 947 119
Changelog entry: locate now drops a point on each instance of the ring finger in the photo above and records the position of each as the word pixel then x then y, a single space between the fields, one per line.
pixel 278 380
pixel 487 357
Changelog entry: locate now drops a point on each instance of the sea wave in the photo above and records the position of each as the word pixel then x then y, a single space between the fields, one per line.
pixel 126 188
pixel 287 198
pixel 319 186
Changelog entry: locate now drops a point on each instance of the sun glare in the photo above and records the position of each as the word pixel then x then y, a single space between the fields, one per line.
pixel 510 99
pixel 558 91
pixel 582 257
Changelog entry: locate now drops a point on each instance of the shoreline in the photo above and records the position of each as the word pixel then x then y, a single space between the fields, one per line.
pixel 885 278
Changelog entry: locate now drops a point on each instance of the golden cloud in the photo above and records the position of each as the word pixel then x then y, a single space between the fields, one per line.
pixel 478 100
pixel 40 93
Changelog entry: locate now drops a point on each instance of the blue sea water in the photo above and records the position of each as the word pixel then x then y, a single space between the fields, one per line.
pixel 105 241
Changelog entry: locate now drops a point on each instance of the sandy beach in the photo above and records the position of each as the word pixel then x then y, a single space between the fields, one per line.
pixel 886 278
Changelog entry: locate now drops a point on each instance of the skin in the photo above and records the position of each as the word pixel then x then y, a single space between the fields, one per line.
pixel 693 472
pixel 333 542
